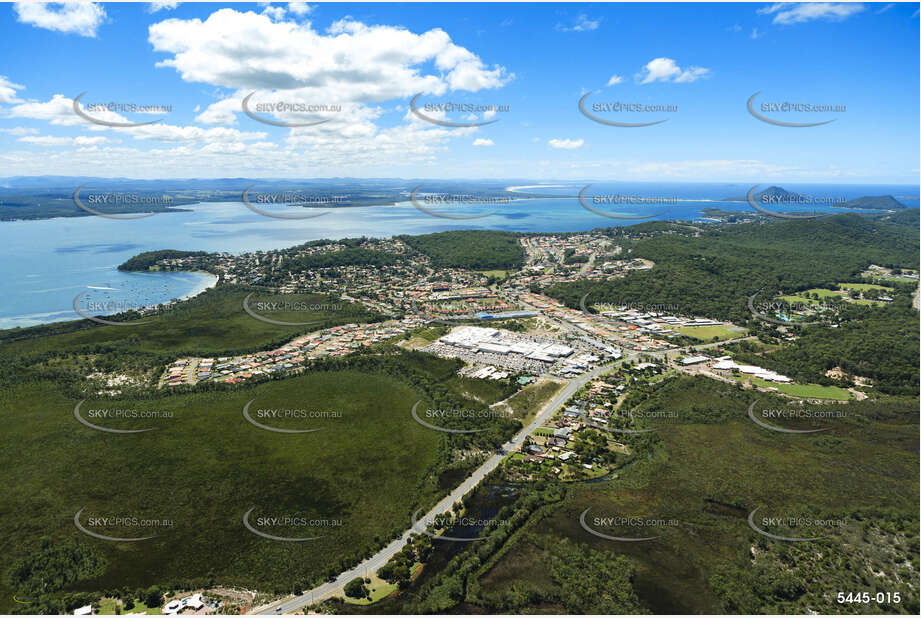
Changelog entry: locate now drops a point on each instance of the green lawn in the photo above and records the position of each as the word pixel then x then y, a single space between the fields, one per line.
pixel 707 333
pixel 794 299
pixel 107 608
pixel 499 274
pixel 810 391
pixel 864 286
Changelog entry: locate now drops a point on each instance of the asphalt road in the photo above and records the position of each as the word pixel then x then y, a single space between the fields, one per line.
pixel 379 559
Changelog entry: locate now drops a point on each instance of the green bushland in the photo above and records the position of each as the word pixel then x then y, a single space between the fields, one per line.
pixel 212 324
pixel 203 465
pixel 707 468
pixel 146 260
pixel 880 343
pixel 471 249
pixel 713 272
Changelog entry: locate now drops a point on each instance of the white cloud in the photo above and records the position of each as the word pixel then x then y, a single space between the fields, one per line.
pixel 755 34
pixel 885 8
pixel 59 111
pixel 735 28
pixel 483 142
pixel 796 13
pixel 582 24
pixel 19 131
pixel 666 70
pixel 615 79
pixel 300 8
pixel 351 65
pixel 48 140
pixel 275 12
pixel 8 90
pixel 81 18
pixel 167 5
pixel 566 144
pixel 351 62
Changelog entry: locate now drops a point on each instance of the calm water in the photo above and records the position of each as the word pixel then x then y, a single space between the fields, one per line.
pixel 47 263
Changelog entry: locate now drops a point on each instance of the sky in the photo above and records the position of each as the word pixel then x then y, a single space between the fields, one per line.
pixel 696 64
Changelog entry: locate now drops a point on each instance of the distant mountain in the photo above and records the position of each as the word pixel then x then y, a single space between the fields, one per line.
pixel 871 202
pixel 772 193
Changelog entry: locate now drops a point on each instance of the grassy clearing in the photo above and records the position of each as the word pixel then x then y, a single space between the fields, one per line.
pixel 864 286
pixel 807 391
pixel 499 274
pixel 707 333
pixel 529 400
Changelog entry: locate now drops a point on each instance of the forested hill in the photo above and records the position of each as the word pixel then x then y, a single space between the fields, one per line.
pixel 714 272
pixel 473 249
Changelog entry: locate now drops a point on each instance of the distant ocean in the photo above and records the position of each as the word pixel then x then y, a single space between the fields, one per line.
pixel 47 263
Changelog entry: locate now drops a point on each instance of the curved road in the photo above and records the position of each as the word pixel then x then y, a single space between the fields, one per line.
pixel 379 559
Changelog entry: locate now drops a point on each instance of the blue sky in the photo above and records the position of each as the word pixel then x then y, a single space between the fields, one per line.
pixel 537 59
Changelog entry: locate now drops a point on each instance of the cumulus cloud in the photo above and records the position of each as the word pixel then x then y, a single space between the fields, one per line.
pixel 615 79
pixel 275 12
pixel 81 18
pixel 667 70
pixel 582 24
pixel 300 8
pixel 355 67
pixel 566 144
pixel 483 142
pixel 160 5
pixel 59 111
pixel 19 131
pixel 8 90
pixel 796 13
pixel 48 140
pixel 359 62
